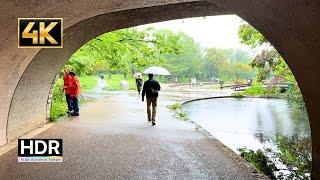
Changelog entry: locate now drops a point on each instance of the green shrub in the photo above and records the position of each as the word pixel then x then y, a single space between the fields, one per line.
pixel 295 152
pixel 256 89
pixel 178 114
pixel 275 91
pixel 58 109
pixel 183 116
pixel 175 106
pixel 238 95
pixel 294 97
pixel 58 106
pixel 259 160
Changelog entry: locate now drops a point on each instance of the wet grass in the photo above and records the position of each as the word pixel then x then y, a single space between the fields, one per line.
pixel 259 160
pixel 176 107
pixel 238 95
pixel 183 116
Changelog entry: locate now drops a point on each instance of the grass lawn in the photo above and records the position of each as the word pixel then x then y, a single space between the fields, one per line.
pixel 113 82
pixel 88 83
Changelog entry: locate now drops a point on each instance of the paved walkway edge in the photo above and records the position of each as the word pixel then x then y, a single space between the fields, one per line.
pixel 229 152
pixel 231 96
pixel 13 144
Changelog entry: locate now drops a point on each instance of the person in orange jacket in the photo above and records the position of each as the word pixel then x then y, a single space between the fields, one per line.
pixel 74 94
pixel 67 79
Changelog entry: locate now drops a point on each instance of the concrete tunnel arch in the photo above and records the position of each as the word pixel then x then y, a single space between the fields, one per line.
pixel 290 26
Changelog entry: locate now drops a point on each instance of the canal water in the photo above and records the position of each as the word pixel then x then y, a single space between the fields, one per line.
pixel 254 123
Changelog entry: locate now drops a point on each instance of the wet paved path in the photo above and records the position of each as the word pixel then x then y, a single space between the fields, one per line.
pixel 113 140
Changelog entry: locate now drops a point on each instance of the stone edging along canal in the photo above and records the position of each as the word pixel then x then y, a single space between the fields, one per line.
pixel 230 96
pixel 233 155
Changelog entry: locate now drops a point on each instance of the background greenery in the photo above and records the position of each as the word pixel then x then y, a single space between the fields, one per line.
pixel 128 51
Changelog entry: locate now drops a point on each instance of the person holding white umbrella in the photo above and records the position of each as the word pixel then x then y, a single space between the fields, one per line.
pixel 150 89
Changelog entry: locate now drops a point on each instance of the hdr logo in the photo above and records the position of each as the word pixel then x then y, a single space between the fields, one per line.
pixel 40 32
pixel 40 150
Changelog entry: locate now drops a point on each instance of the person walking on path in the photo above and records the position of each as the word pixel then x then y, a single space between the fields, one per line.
pixel 101 76
pixel 74 94
pixel 67 79
pixel 139 84
pixel 150 89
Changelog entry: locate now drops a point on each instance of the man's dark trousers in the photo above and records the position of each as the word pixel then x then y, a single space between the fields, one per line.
pixel 75 105
pixel 68 99
pixel 152 103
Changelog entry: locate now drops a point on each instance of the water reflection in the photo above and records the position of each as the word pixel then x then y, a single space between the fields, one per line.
pixel 256 124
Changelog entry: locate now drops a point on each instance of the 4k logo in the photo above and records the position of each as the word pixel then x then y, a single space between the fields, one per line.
pixel 40 32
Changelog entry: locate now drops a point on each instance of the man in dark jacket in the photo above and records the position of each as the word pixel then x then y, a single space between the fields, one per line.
pixel 150 89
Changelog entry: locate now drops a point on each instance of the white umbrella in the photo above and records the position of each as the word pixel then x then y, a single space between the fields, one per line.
pixel 136 75
pixel 156 70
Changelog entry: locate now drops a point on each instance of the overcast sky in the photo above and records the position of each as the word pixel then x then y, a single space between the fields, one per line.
pixel 212 31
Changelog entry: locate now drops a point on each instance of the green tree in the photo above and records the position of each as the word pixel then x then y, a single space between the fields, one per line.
pixel 266 62
pixel 186 63
pixel 213 62
pixel 270 63
pixel 250 36
pixel 124 51
pixel 223 64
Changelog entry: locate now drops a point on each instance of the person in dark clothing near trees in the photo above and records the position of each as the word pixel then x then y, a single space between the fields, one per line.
pixel 150 89
pixel 139 84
